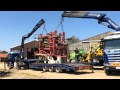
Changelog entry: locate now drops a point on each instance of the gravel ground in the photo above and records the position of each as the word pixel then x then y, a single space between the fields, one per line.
pixel 37 74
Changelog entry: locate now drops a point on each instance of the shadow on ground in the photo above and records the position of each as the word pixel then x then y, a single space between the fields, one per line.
pixel 66 72
pixel 78 73
pixel 4 73
pixel 98 68
pixel 115 74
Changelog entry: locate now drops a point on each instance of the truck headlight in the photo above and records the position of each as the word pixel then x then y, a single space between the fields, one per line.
pixel 107 64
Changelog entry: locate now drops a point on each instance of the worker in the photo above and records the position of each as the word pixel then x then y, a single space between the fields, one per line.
pixel 71 56
pixel 77 55
pixel 82 54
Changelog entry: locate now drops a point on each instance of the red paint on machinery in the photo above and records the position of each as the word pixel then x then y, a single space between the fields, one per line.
pixel 52 44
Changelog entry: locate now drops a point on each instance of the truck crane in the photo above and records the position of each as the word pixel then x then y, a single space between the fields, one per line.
pixel 14 55
pixel 41 22
pixel 100 17
pixel 50 56
pixel 110 47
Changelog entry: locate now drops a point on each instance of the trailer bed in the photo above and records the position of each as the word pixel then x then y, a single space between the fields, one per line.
pixel 65 66
pixel 80 66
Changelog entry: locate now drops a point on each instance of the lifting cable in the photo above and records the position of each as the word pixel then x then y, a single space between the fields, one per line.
pixel 61 21
pixel 44 29
pixel 62 27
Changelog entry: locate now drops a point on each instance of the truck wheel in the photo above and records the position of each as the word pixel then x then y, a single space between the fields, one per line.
pixel 11 65
pixel 26 66
pixel 51 69
pixel 108 72
pixel 72 71
pixel 58 69
pixel 45 69
pixel 101 62
pixel 18 66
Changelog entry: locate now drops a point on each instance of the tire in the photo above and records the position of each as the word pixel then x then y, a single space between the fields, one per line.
pixel 72 71
pixel 101 62
pixel 11 65
pixel 58 69
pixel 26 66
pixel 51 69
pixel 45 69
pixel 108 72
pixel 17 66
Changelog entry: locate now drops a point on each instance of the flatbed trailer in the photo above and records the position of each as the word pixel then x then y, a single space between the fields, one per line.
pixel 57 67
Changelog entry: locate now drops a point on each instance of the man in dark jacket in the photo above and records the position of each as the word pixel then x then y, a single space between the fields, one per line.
pixel 76 55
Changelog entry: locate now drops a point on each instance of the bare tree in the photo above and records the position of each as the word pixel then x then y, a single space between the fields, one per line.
pixel 72 40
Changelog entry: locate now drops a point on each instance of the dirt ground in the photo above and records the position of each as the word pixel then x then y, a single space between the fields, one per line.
pixel 37 74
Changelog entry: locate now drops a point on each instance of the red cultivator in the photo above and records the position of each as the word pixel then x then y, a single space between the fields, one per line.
pixel 52 45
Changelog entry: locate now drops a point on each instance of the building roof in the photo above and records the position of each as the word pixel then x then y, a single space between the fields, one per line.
pixel 99 36
pixel 116 36
pixel 25 43
pixel 91 41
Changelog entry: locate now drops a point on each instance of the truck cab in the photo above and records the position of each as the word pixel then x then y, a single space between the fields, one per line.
pixel 112 53
pixel 12 56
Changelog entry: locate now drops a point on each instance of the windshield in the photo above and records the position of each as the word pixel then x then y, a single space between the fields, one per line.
pixel 13 56
pixel 112 44
pixel 9 55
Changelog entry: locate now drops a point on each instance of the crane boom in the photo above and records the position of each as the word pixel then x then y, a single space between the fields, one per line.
pixel 100 17
pixel 28 35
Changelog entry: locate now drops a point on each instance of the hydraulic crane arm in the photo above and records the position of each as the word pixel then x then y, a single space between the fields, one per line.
pixel 100 17
pixel 28 35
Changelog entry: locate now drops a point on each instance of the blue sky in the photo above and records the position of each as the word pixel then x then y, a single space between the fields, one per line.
pixel 15 24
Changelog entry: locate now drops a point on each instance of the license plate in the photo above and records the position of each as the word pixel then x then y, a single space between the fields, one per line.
pixel 115 64
pixel 117 67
